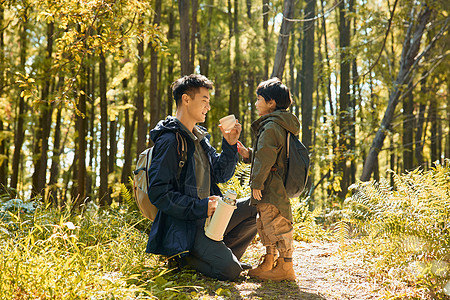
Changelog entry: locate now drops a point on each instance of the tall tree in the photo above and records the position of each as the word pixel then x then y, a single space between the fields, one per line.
pixel 408 61
pixel 81 125
pixel 3 153
pixel 235 76
pixel 283 39
pixel 183 8
pixel 19 130
pixel 103 190
pixel 307 72
pixel 45 120
pixel 408 130
pixel 155 101
pixel 127 157
pixel 194 34
pixel 140 108
pixel 345 8
pixel 265 11
pixel 170 63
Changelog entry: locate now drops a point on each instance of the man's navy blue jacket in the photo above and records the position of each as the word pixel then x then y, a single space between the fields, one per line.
pixel 173 230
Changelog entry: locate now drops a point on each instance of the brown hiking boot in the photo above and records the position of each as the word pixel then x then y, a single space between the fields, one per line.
pixel 265 266
pixel 283 271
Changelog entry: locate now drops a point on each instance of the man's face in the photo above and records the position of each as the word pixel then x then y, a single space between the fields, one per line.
pixel 198 105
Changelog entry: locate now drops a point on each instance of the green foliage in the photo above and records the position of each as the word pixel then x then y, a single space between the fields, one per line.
pixel 239 182
pixel 406 227
pixel 96 254
pixel 306 225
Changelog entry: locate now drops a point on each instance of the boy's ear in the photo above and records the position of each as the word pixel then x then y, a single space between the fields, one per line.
pixel 272 103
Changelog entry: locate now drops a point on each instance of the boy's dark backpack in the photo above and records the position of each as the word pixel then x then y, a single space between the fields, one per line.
pixel 297 166
pixel 141 179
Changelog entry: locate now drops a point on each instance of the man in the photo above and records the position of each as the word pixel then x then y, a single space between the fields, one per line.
pixel 186 200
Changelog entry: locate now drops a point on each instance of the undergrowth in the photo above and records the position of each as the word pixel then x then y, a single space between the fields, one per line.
pixel 405 229
pixel 96 252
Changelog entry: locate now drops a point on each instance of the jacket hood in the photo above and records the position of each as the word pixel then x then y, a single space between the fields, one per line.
pixel 172 124
pixel 282 117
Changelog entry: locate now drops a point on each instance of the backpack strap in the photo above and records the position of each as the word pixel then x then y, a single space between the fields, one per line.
pixel 287 144
pixel 182 152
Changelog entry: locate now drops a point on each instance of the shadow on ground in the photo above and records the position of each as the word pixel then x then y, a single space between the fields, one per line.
pixel 282 290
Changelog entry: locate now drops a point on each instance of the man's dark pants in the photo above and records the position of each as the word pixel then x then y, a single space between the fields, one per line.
pixel 221 259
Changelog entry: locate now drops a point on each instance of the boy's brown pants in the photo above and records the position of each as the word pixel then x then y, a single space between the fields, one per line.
pixel 275 231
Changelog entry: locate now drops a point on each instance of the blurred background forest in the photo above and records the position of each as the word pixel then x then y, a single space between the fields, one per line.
pixel 83 82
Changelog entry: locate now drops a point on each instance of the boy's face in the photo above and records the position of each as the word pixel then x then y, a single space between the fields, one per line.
pixel 264 107
pixel 198 105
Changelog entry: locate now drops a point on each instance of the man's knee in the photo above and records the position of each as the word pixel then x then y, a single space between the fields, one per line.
pixel 229 271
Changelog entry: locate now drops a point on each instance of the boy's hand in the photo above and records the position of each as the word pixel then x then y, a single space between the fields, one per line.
pixel 232 137
pixel 257 194
pixel 243 151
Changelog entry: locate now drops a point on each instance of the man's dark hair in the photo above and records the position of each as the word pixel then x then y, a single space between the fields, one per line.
pixel 274 89
pixel 189 84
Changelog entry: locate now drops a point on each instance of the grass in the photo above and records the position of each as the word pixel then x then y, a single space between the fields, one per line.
pixel 94 254
pixel 98 253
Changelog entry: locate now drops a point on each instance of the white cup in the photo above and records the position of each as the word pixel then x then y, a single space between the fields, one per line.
pixel 228 123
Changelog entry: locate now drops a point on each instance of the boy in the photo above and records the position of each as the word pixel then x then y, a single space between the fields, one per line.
pixel 268 157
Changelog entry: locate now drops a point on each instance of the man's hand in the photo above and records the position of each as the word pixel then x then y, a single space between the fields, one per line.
pixel 212 205
pixel 232 137
pixel 257 194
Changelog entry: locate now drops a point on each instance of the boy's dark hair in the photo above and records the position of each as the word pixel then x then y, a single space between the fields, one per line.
pixel 274 89
pixel 189 84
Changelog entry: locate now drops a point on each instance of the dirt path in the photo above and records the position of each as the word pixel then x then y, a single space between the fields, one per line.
pixel 321 272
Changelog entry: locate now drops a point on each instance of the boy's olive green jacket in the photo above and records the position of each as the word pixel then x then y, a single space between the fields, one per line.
pixel 268 158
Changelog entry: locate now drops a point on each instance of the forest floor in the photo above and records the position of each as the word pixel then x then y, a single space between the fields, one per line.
pixel 323 272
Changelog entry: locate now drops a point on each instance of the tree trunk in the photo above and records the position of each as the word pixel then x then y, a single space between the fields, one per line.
pixel 205 50
pixel 43 128
pixel 19 134
pixel 126 169
pixel 344 93
pixel 81 122
pixel 266 46
pixel 155 101
pixel 194 25
pixel 57 150
pixel 410 50
pixel 112 158
pixel 92 116
pixel 103 190
pixel 307 73
pixel 235 76
pixel 283 39
pixel 141 123
pixel 183 7
pixel 433 116
pixel 170 65
pixel 419 132
pixel 447 147
pixel 408 128
pixel 3 153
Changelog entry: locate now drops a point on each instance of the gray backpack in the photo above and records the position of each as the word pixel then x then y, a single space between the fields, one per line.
pixel 141 179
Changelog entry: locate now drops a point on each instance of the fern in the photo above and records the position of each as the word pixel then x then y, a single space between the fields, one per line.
pixel 126 194
pixel 407 223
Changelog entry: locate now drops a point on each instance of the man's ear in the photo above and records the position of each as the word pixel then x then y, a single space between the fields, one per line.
pixel 185 99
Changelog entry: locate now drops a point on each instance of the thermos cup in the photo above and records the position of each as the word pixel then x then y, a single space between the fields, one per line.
pixel 216 225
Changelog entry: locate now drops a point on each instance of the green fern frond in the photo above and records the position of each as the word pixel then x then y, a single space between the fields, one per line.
pixel 127 196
